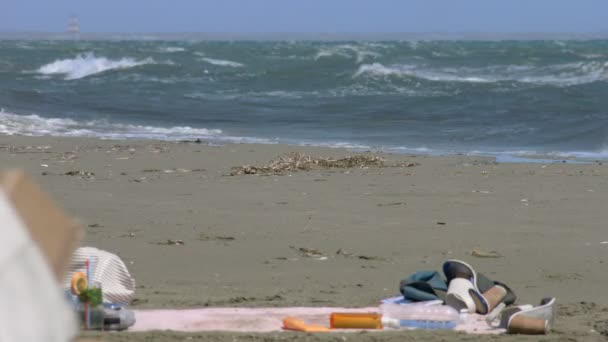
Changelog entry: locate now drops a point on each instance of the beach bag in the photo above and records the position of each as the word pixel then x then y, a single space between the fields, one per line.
pixel 424 285
pixel 108 269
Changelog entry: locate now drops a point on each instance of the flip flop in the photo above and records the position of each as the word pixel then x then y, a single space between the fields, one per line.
pixel 527 319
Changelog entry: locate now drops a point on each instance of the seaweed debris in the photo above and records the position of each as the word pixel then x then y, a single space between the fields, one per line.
pixel 294 162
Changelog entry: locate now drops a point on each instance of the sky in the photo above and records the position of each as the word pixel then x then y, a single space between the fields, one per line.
pixel 307 16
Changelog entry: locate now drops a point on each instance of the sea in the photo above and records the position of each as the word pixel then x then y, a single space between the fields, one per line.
pixel 508 99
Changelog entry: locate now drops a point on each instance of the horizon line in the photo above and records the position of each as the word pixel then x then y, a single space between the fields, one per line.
pixel 295 35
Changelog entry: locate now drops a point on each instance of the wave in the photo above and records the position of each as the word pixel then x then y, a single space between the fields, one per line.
pixel 548 157
pixel 24 45
pixel 581 155
pixel 339 92
pixel 567 74
pixel 221 62
pixel 570 74
pixel 591 55
pixel 348 51
pixel 377 69
pixel 330 53
pixel 34 125
pixel 344 145
pixel 88 64
pixel 172 49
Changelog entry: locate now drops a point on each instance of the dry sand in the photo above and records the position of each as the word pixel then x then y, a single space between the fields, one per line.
pixel 245 237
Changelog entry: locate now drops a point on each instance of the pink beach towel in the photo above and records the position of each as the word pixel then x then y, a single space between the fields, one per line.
pixel 261 319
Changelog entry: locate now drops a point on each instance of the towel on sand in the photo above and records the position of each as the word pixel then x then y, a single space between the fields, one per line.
pixel 262 319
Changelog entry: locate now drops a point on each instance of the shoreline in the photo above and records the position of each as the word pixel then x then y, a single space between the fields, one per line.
pixel 514 157
pixel 244 235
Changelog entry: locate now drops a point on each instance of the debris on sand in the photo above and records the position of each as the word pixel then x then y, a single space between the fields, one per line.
pixel 392 204
pixel 205 237
pixel 360 257
pixel 343 253
pixel 367 257
pixel 81 174
pixel 483 254
pixel 310 253
pixel 301 162
pixel 172 243
pixel 129 235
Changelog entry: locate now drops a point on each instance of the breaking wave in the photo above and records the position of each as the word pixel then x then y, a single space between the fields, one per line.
pixel 377 69
pixel 34 125
pixel 359 53
pixel 171 49
pixel 88 64
pixel 567 74
pixel 221 62
pixel 523 98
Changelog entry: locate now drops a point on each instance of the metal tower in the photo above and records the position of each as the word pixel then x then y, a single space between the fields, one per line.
pixel 74 27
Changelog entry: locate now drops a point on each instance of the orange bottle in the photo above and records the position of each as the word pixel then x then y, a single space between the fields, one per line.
pixel 342 320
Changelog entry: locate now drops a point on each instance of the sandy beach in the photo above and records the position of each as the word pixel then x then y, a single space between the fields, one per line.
pixel 328 237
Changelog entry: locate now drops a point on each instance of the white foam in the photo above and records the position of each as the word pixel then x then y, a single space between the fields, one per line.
pixel 570 74
pixel 330 52
pixel 557 75
pixel 591 55
pixel 340 92
pixel 34 125
pixel 360 53
pixel 439 54
pixel 413 44
pixel 172 49
pixel 345 145
pixel 407 149
pixel 221 62
pixel 24 45
pixel 601 154
pixel 559 43
pixel 377 69
pixel 88 64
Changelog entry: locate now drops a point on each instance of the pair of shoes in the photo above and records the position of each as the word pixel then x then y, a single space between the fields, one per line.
pixel 474 292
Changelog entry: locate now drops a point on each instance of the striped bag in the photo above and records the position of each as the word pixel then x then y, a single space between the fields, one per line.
pixel 106 268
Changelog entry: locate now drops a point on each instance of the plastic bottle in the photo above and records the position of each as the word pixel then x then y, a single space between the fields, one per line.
pixel 118 319
pixel 419 316
pixel 111 317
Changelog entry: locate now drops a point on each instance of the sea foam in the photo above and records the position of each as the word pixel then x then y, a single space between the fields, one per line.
pixel 567 74
pixel 221 62
pixel 88 64
pixel 404 70
pixel 35 125
pixel 360 53
pixel 172 49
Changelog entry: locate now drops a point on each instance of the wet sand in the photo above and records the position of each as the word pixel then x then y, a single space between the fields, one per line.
pixel 328 237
